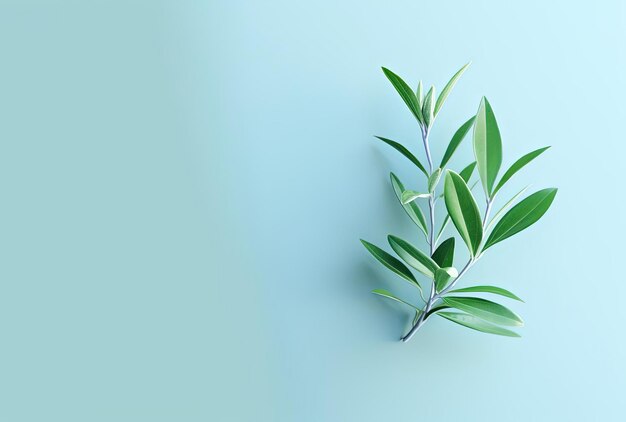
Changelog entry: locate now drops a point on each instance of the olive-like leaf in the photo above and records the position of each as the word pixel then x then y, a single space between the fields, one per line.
pixel 467 172
pixel 487 289
pixel 487 145
pixel 412 209
pixel 521 216
pixel 463 211
pixel 444 254
pixel 477 324
pixel 411 195
pixel 413 256
pixel 404 151
pixel 484 309
pixel 505 207
pixel 458 136
pixel 448 88
pixel 408 96
pixel 517 166
pixel 443 276
pixel 419 94
pixel 385 293
pixel 433 180
pixel 391 262
pixel 428 108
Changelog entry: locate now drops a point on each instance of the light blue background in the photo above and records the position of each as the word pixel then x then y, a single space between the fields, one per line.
pixel 183 186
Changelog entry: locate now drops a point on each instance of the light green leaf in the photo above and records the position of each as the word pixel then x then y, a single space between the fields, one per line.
pixel 463 211
pixel 419 94
pixel 487 289
pixel 521 216
pixel 428 108
pixel 505 207
pixel 411 195
pixel 408 96
pixel 443 276
pixel 517 166
pixel 433 180
pixel 413 256
pixel 385 293
pixel 448 88
pixel 412 209
pixel 402 150
pixel 477 324
pixel 458 136
pixel 444 254
pixel 484 309
pixel 487 146
pixel 390 262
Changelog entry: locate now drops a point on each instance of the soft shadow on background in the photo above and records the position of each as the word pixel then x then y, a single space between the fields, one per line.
pixel 183 186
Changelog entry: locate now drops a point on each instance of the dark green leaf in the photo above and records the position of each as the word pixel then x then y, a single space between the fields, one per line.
pixel 484 309
pixel 505 207
pixel 412 209
pixel 517 166
pixel 448 88
pixel 458 136
pixel 487 289
pixel 487 145
pixel 521 216
pixel 463 211
pixel 477 324
pixel 443 276
pixel 385 293
pixel 390 262
pixel 467 172
pixel 408 96
pixel 444 254
pixel 413 256
pixel 402 150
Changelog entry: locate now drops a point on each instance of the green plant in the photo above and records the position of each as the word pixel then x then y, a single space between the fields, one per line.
pixel 478 232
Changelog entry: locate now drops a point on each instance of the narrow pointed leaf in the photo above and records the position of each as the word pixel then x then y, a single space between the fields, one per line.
pixel 433 180
pixel 385 293
pixel 413 256
pixel 467 172
pixel 435 309
pixel 402 150
pixel 443 276
pixel 391 262
pixel 487 145
pixel 412 209
pixel 505 207
pixel 411 195
pixel 463 211
pixel 419 94
pixel 446 220
pixel 517 166
pixel 458 136
pixel 521 216
pixel 444 254
pixel 448 88
pixel 477 324
pixel 487 289
pixel 484 309
pixel 408 96
pixel 428 108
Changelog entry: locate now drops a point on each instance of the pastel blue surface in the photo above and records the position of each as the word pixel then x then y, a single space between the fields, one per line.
pixel 183 186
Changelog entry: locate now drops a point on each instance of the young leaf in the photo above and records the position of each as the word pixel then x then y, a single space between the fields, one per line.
pixel 505 207
pixel 487 289
pixel 458 136
pixel 409 97
pixel 448 88
pixel 487 145
pixel 463 211
pixel 443 276
pixel 411 195
pixel 418 94
pixel 517 166
pixel 521 216
pixel 413 256
pixel 433 180
pixel 390 262
pixel 412 209
pixel 444 254
pixel 385 293
pixel 402 150
pixel 484 309
pixel 477 324
pixel 429 106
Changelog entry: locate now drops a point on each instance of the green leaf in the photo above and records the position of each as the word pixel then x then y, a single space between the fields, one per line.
pixel 444 254
pixel 390 262
pixel 448 88
pixel 443 276
pixel 467 172
pixel 385 293
pixel 419 94
pixel 477 324
pixel 408 96
pixel 487 145
pixel 428 108
pixel 402 150
pixel 517 166
pixel 463 211
pixel 505 207
pixel 484 309
pixel 413 256
pixel 412 209
pixel 411 195
pixel 446 220
pixel 433 180
pixel 458 136
pixel 521 216
pixel 487 289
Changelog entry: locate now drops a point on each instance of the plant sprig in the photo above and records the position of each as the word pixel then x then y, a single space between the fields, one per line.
pixel 477 231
